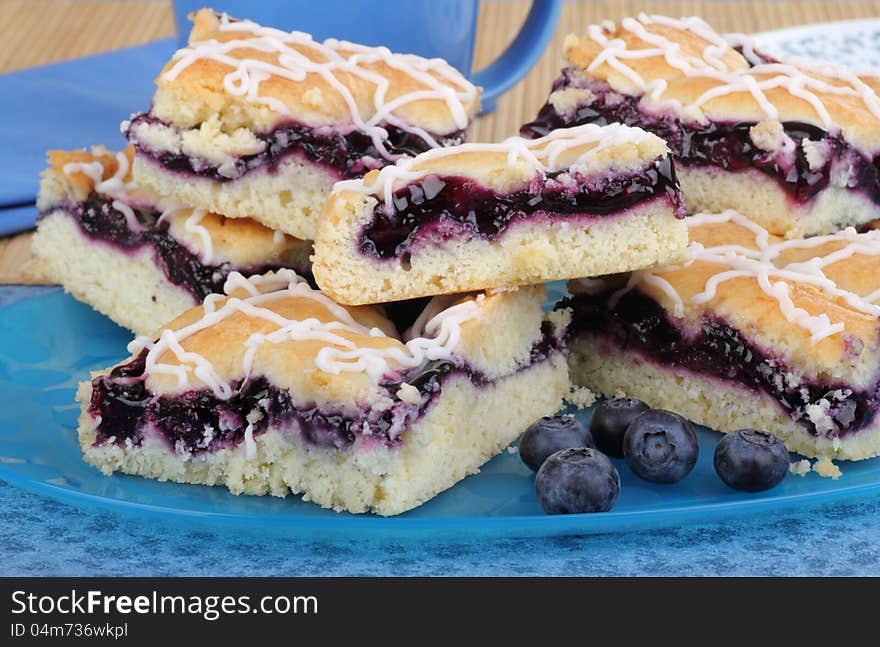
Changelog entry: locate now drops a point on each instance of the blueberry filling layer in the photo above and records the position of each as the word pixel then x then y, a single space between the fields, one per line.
pixel 99 220
pixel 350 154
pixel 724 145
pixel 447 206
pixel 639 324
pixel 197 421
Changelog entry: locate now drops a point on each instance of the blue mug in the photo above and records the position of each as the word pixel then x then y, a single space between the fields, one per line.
pixel 430 28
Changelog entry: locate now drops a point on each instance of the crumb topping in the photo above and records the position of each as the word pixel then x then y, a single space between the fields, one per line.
pixel 770 136
pixel 587 149
pixel 257 55
pixel 580 397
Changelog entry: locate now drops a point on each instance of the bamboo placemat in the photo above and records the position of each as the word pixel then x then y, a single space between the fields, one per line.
pixel 35 32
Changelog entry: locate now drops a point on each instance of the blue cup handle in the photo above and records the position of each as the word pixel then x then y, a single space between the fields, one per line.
pixel 522 54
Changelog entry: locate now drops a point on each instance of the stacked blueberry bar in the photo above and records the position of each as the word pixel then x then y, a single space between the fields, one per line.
pixel 357 391
pixel 250 121
pixel 580 201
pixel 272 387
pixel 792 144
pixel 135 257
pixel 248 130
pixel 773 322
pixel 756 331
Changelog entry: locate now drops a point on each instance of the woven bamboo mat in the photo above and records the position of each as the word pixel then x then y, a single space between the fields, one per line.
pixel 34 32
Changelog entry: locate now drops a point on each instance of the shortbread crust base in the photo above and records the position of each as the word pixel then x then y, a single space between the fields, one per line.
pixel 128 287
pixel 465 427
pixel 527 253
pixel 707 401
pixel 758 196
pixel 287 199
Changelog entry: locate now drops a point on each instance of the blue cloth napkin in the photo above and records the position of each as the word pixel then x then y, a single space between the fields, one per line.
pixel 68 105
pixel 15 219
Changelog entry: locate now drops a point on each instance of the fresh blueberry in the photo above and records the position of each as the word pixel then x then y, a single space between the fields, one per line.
pixel 577 480
pixel 660 446
pixel 550 434
pixel 751 460
pixel 610 420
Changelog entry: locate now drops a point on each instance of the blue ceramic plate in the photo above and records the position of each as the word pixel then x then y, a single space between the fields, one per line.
pixel 50 343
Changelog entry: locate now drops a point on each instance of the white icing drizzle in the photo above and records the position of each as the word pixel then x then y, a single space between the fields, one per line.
pixel 331 60
pixel 438 333
pixel 191 224
pixel 130 217
pixel 114 186
pixel 250 446
pixel 540 155
pixel 776 281
pixel 801 78
pixel 121 194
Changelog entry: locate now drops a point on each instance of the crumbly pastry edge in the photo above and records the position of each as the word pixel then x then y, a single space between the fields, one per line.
pixel 127 287
pixel 707 401
pixel 759 196
pixel 437 451
pixel 288 199
pixel 528 252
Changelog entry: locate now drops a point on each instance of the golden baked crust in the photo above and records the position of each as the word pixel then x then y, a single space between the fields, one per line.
pixel 290 364
pixel 844 346
pixel 685 67
pixel 191 88
pixel 323 353
pixel 77 183
pixel 240 241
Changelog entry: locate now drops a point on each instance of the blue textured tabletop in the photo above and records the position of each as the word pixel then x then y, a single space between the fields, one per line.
pixel 40 536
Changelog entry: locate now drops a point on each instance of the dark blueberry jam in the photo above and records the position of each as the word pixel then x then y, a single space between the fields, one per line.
pixel 351 155
pixel 121 399
pixel 435 204
pixel 198 421
pixel 550 343
pixel 429 377
pixel 99 220
pixel 639 324
pixel 725 145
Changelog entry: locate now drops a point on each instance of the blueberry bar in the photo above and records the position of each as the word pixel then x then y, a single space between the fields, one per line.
pixel 137 259
pixel 792 144
pixel 273 388
pixel 577 202
pixel 757 331
pixel 249 121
